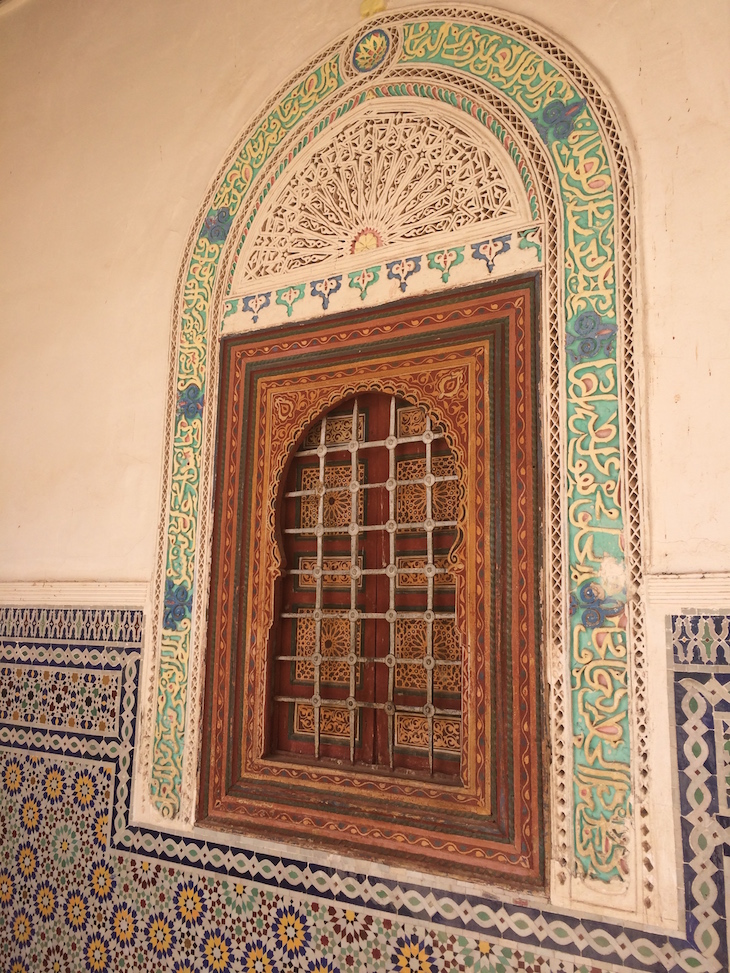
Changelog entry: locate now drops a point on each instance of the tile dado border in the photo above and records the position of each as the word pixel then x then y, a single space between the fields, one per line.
pixel 447 929
pixel 468 59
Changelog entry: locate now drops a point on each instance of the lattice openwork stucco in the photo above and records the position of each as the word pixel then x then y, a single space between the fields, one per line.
pixel 388 176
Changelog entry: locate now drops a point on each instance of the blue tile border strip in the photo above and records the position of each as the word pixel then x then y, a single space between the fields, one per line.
pixel 111 640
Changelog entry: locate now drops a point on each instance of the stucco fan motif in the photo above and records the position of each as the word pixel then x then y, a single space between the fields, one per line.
pixel 388 178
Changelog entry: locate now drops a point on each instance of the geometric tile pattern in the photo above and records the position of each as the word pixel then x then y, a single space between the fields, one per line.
pixel 82 889
pixel 701 640
pixel 701 652
pixel 65 698
pixel 722 752
pixel 105 625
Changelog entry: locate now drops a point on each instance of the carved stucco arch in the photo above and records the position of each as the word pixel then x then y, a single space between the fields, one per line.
pixel 538 108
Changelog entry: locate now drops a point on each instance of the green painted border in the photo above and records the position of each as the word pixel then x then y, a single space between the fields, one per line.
pixel 548 99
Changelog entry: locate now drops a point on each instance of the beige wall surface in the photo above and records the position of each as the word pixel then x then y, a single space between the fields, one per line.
pixel 116 115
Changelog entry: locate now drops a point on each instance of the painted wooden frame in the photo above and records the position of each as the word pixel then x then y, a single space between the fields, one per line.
pixel 471 360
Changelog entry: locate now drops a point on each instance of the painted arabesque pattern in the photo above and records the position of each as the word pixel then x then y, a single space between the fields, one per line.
pixel 545 93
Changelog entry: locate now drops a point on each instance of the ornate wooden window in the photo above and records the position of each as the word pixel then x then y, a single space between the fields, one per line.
pixel 373 663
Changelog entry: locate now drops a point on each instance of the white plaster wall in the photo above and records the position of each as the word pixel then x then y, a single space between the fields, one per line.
pixel 114 117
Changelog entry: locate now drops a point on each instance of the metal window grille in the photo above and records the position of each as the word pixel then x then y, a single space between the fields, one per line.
pixel 434 709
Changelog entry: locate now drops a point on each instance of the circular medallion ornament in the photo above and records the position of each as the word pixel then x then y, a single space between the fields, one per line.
pixel 371 50
pixel 366 239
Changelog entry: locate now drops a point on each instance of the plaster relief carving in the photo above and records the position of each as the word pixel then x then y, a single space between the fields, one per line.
pixel 385 178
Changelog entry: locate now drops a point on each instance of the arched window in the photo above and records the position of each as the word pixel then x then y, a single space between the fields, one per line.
pixel 414 155
pixel 374 635
pixel 367 658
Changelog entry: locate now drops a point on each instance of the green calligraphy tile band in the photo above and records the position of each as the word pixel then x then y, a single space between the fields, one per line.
pixel 542 89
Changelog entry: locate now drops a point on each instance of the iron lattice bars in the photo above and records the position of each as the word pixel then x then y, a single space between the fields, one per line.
pixel 392 615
